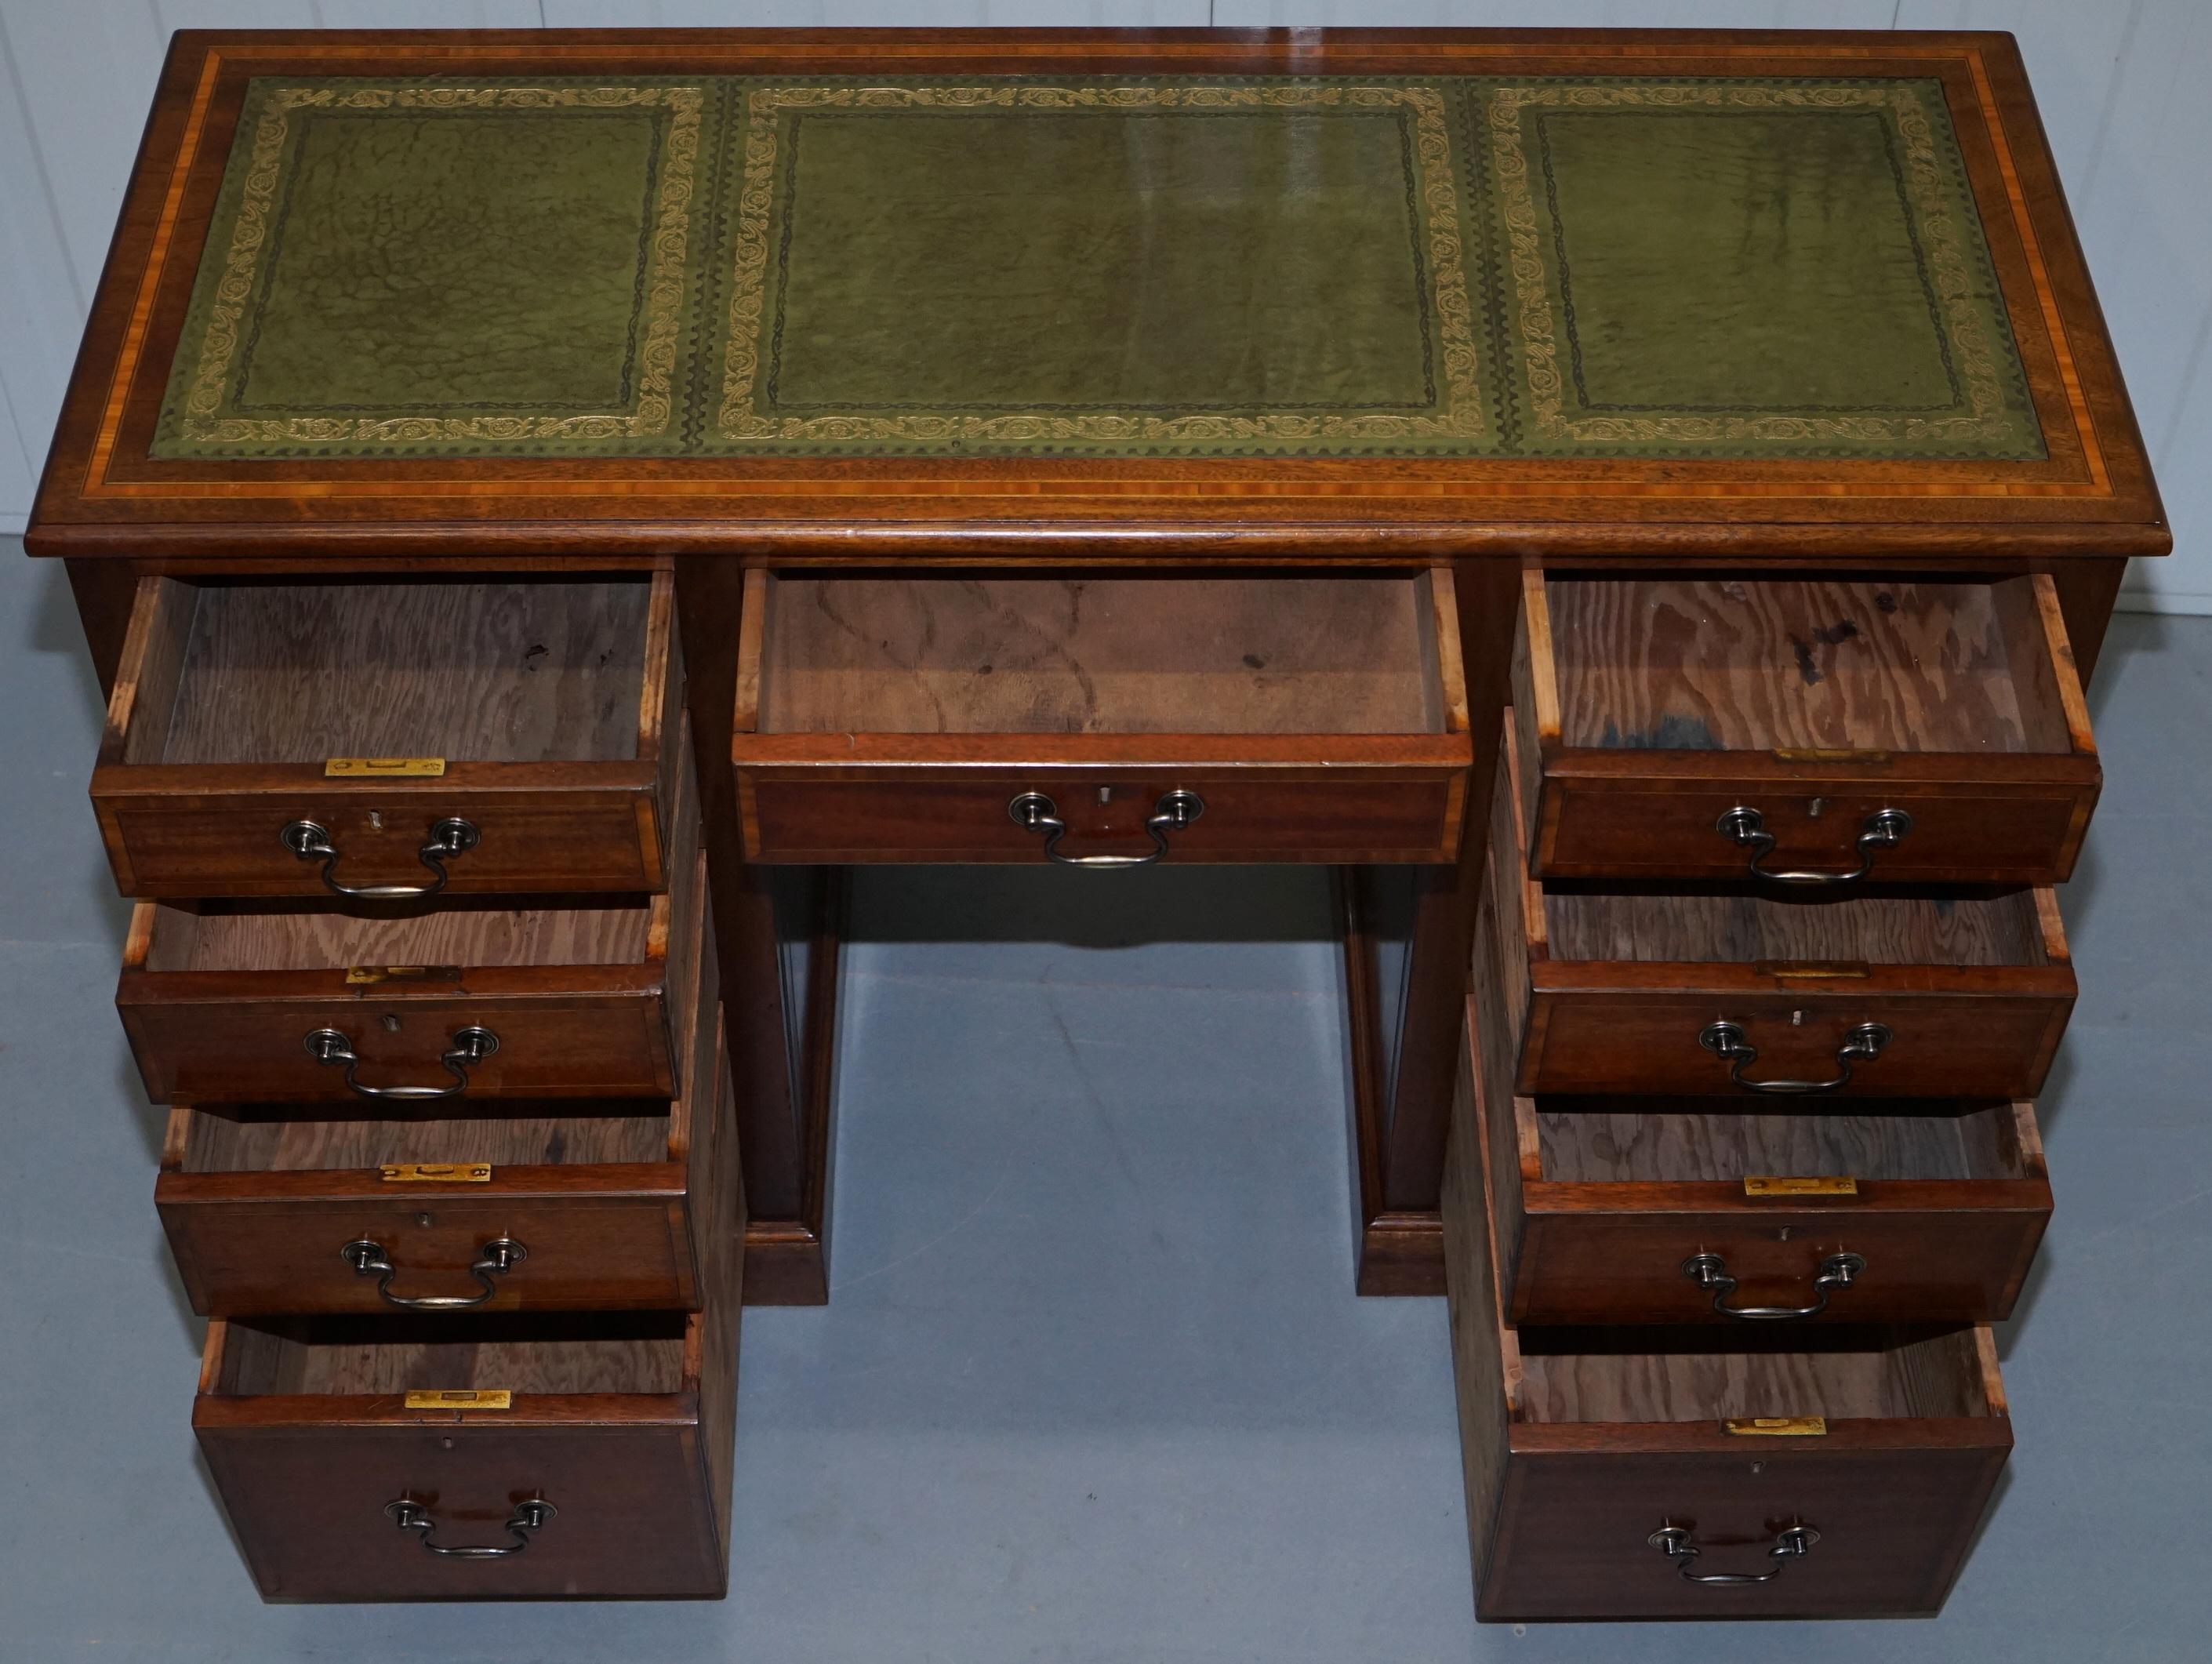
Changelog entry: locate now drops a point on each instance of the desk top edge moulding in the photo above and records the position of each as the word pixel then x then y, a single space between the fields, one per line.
pixel 1340 294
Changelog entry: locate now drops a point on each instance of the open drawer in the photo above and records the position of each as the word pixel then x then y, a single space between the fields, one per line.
pixel 253 1002
pixel 1803 729
pixel 397 738
pixel 1103 721
pixel 1664 1210
pixel 1689 1471
pixel 581 1454
pixel 1622 989
pixel 282 1209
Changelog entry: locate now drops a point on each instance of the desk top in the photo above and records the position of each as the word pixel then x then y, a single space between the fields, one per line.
pixel 1058 294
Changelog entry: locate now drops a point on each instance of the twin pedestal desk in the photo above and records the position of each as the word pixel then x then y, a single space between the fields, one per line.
pixel 1641 507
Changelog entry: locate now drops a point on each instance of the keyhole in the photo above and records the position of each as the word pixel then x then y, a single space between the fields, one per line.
pixel 391 1021
pixel 376 820
pixel 1105 794
pixel 1783 1235
pixel 1813 812
pixel 1796 1019
pixel 422 1219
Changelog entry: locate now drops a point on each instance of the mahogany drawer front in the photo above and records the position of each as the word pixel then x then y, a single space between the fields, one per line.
pixel 1737 993
pixel 589 1245
pixel 1637 1210
pixel 1690 728
pixel 244 1037
pixel 169 836
pixel 1895 1507
pixel 1317 718
pixel 607 1210
pixel 539 716
pixel 337 1486
pixel 1251 813
pixel 1846 1467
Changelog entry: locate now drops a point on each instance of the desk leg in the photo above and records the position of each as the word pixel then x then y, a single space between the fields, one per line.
pixel 1401 1112
pixel 768 920
pixel 788 1251
pixel 1399 1250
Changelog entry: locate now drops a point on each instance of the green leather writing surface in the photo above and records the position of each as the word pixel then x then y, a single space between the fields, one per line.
pixel 1601 266
pixel 1025 252
pixel 377 299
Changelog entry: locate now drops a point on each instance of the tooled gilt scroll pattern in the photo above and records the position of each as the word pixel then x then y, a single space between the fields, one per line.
pixel 1986 416
pixel 1461 417
pixel 698 377
pixel 218 347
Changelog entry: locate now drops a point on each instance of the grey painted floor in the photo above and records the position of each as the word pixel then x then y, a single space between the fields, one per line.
pixel 1094 1384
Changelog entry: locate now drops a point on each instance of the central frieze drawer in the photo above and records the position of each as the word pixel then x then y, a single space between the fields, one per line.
pixel 387 740
pixel 1103 720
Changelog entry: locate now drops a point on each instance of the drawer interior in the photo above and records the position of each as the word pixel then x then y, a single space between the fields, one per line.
pixel 1754 665
pixel 1104 655
pixel 482 671
pixel 1597 1140
pixel 279 935
pixel 254 1138
pixel 1589 922
pixel 521 1352
pixel 1657 1374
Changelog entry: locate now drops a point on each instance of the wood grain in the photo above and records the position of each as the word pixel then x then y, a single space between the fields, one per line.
pixel 1757 662
pixel 1081 655
pixel 280 936
pixel 1625 1374
pixel 207 825
pixel 631 1353
pixel 1655 927
pixel 278 1140
pixel 1675 1141
pixel 1578 1442
pixel 1485 1359
pixel 1689 696
pixel 471 670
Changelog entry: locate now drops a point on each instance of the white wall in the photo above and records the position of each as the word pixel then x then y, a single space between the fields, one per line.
pixel 2120 83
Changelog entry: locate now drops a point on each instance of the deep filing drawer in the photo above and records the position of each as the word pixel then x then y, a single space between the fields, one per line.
pixel 469 737
pixel 1806 729
pixel 1105 721
pixel 1622 989
pixel 607 1208
pixel 1840 1472
pixel 348 1454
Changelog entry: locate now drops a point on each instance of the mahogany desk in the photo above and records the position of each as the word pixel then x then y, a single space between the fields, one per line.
pixel 1130 442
